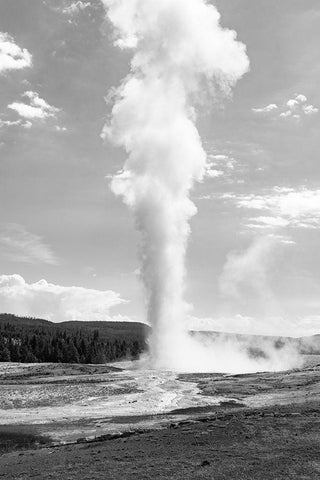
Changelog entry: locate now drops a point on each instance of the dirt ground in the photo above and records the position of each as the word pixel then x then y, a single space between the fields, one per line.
pixel 256 444
pixel 270 431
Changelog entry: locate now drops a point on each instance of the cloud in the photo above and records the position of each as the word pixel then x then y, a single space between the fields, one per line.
pixel 254 325
pixel 60 129
pixel 221 161
pixel 270 221
pixel 55 302
pixel 267 109
pixel 282 207
pixel 15 123
pixel 19 245
pixel 211 172
pixel 294 108
pixel 9 123
pixel 300 98
pixel 218 165
pixel 310 109
pixel 76 7
pixel 12 57
pixel 287 113
pixel 37 108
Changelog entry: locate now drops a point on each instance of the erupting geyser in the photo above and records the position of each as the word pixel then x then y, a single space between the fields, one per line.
pixel 179 51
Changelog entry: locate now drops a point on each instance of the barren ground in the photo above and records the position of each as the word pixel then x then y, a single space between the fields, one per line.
pixel 133 424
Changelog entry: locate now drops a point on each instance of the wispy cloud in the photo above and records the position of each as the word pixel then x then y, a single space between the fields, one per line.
pixel 37 108
pixel 281 207
pixel 19 245
pixel 211 171
pixel 267 109
pixel 294 108
pixel 219 165
pixel 58 128
pixel 12 57
pixel 56 302
pixel 76 7
pixel 15 123
pixel 258 325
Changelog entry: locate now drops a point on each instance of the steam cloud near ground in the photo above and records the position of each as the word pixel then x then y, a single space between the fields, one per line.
pixel 180 56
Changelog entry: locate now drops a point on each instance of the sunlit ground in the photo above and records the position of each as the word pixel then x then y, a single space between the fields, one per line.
pixel 71 401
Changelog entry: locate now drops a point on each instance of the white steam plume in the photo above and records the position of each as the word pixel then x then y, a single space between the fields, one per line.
pixel 179 51
pixel 245 279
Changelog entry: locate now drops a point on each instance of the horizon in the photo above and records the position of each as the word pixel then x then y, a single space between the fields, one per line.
pixel 131 322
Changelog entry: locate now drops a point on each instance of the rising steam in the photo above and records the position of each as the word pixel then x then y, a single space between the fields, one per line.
pixel 179 51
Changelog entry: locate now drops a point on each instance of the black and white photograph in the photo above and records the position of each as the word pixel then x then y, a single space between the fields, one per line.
pixel 159 239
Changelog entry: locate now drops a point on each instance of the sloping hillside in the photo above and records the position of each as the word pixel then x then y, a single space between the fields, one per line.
pixel 119 330
pixel 24 339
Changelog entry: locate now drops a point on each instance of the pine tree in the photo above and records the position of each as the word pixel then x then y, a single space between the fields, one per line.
pixel 4 350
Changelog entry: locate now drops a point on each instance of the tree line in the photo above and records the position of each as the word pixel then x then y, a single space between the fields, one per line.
pixel 20 343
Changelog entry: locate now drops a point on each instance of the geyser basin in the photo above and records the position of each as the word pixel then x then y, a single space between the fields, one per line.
pixel 201 352
pixel 70 401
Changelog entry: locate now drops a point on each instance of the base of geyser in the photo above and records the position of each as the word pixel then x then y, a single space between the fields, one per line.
pixel 184 353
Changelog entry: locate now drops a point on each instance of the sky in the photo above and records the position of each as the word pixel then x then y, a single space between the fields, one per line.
pixel 68 245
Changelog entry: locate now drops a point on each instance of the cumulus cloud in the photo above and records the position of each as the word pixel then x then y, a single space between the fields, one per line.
pixel 298 107
pixel 282 207
pixel 12 57
pixel 19 245
pixel 294 108
pixel 37 108
pixel 55 302
pixel 309 109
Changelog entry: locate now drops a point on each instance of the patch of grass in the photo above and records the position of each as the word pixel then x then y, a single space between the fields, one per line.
pixel 20 438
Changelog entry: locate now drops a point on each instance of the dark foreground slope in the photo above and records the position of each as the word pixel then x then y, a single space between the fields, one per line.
pixel 24 339
pixel 276 440
pixel 256 446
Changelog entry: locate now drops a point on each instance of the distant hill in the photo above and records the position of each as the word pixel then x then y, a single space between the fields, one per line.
pixel 107 329
pixel 25 339
pixel 128 330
